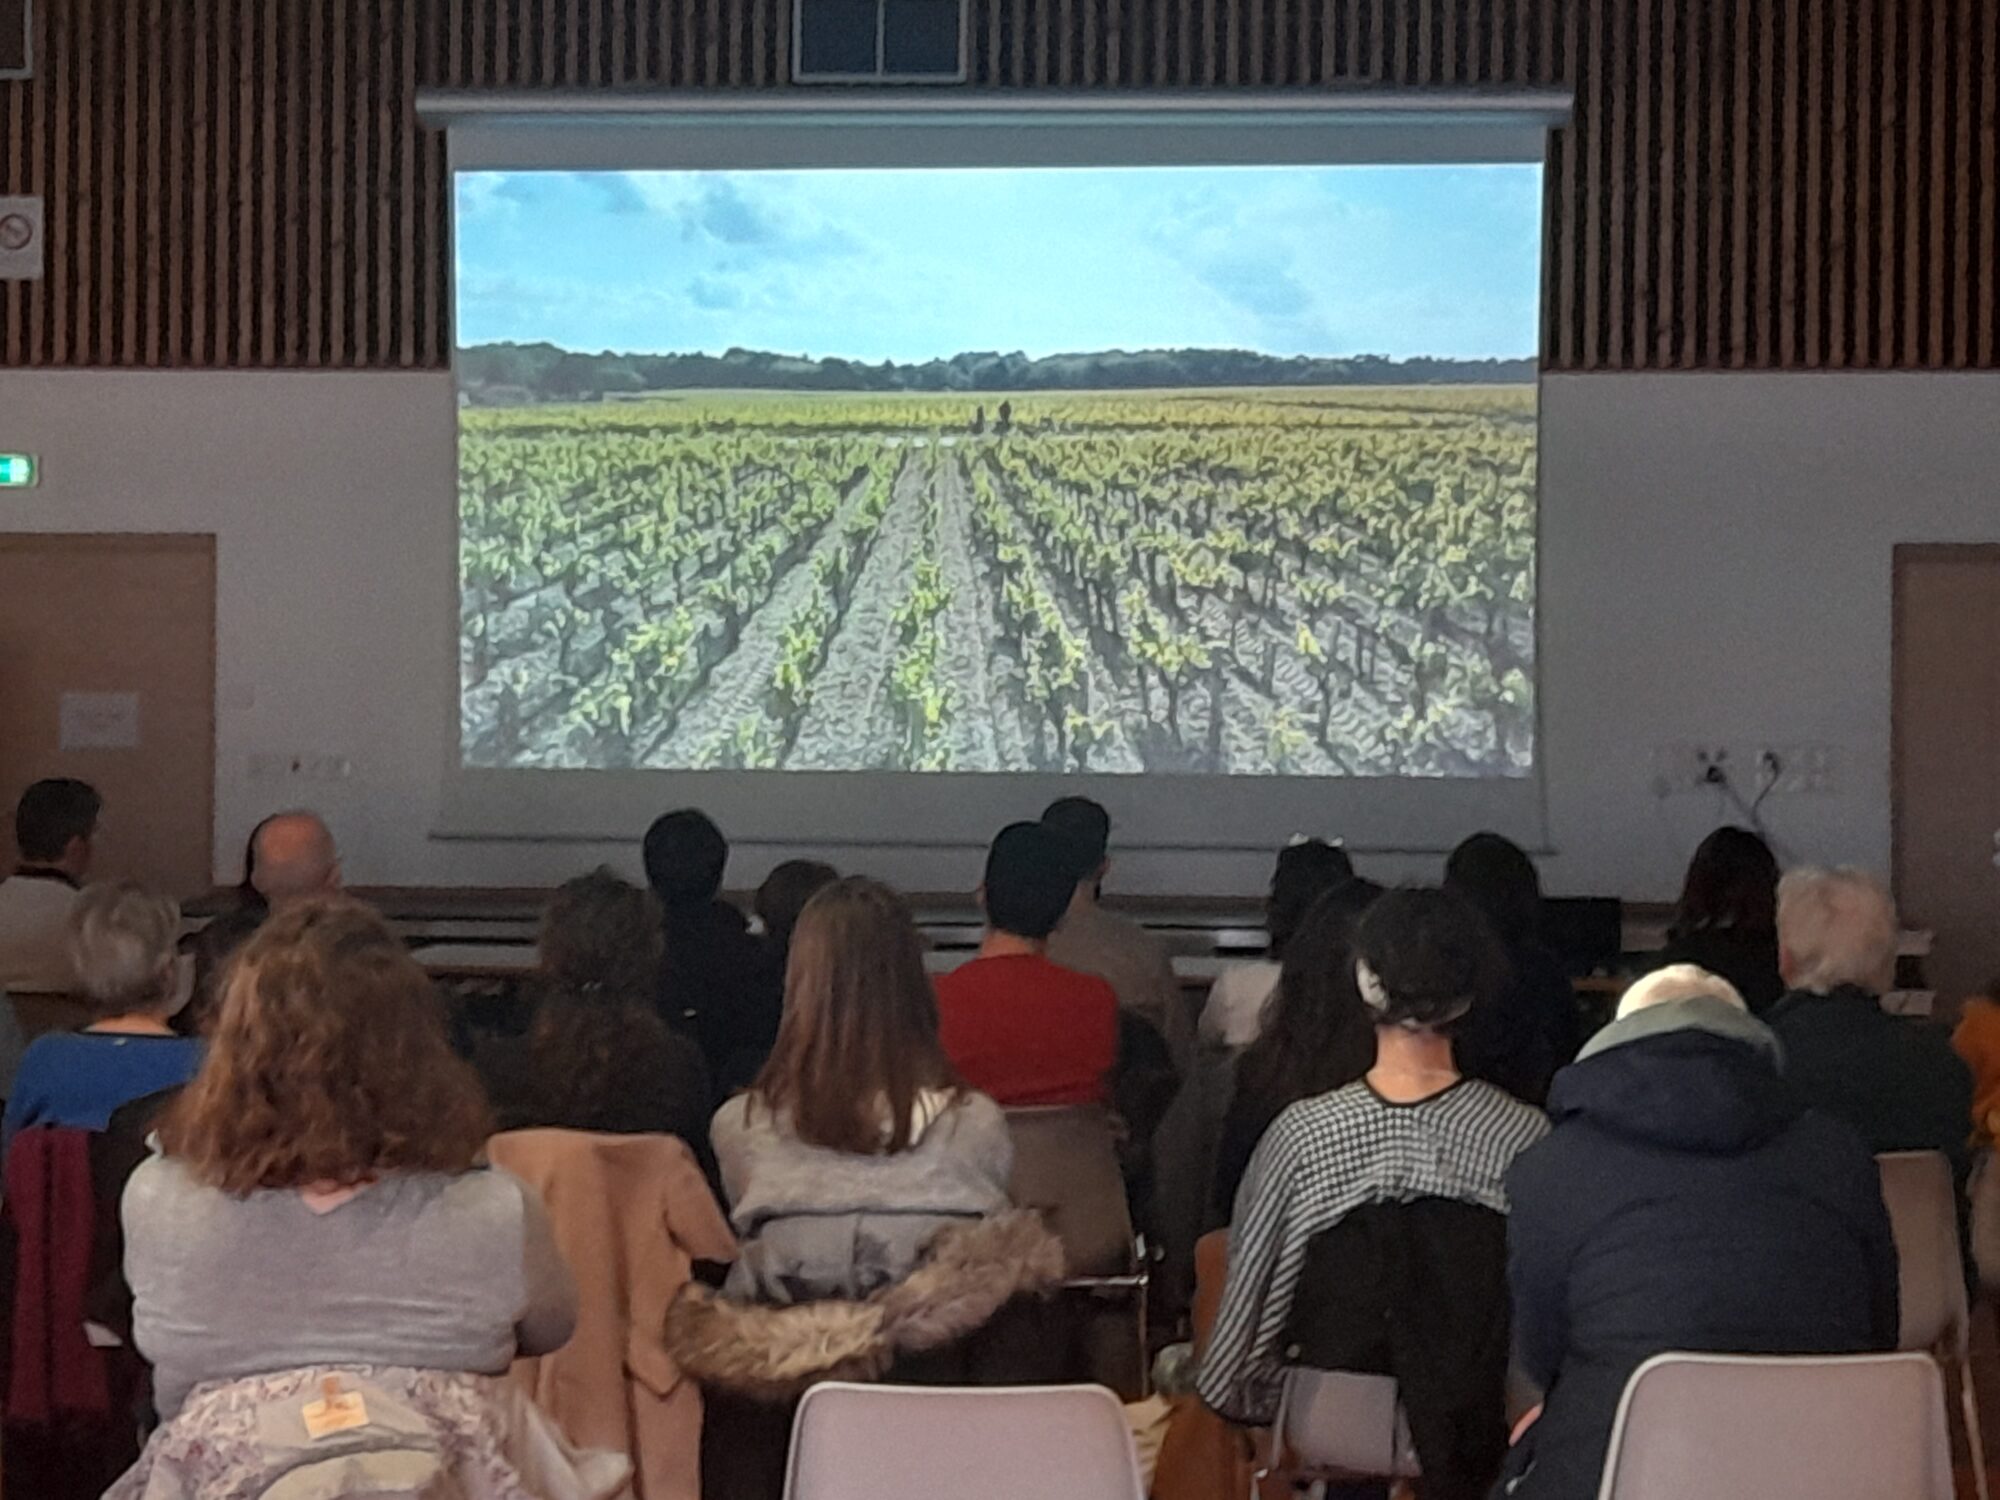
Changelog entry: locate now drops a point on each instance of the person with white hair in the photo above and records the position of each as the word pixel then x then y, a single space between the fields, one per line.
pixel 122 941
pixel 1686 1199
pixel 1895 1079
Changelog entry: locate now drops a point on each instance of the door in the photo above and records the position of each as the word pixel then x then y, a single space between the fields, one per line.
pixel 1946 749
pixel 107 673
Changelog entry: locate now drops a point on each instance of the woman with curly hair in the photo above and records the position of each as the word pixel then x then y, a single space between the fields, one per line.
pixel 597 1056
pixel 320 1199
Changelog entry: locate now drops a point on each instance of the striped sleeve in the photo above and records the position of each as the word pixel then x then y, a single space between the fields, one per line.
pixel 1242 1370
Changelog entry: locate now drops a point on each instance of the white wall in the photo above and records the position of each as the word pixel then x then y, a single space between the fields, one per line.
pixel 1716 568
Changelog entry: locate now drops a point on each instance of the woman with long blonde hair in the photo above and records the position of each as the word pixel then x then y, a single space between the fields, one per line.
pixel 868 1187
pixel 858 1141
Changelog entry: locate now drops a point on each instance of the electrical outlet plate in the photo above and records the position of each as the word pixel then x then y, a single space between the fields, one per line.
pixel 1680 769
pixel 1795 770
pixel 299 765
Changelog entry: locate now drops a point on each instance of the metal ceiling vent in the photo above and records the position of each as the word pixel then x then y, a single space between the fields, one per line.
pixel 879 41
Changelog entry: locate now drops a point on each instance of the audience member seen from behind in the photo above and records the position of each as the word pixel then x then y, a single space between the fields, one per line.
pixel 1412 1128
pixel 597 1056
pixel 1119 951
pixel 784 895
pixel 1015 1025
pixel 1531 1026
pixel 1895 1079
pixel 858 1166
pixel 1306 870
pixel 858 1141
pixel 1977 1041
pixel 123 952
pixel 1727 918
pixel 718 984
pixel 319 1199
pixel 1319 1036
pixel 289 857
pixel 55 828
pixel 1686 1200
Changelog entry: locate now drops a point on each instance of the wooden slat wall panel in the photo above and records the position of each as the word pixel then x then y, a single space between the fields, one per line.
pixel 1773 184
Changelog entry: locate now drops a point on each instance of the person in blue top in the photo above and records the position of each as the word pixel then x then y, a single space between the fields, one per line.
pixel 122 938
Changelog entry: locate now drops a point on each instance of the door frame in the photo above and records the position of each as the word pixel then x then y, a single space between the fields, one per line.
pixel 1902 556
pixel 202 543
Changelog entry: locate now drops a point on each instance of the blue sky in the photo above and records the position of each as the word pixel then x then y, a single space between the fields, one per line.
pixel 914 264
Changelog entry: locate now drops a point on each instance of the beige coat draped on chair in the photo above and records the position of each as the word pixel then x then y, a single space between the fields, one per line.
pixel 632 1213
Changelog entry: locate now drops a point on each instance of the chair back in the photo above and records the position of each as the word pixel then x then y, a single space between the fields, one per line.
pixel 1066 1169
pixel 1343 1422
pixel 1917 1190
pixel 889 1442
pixel 1984 1195
pixel 1855 1427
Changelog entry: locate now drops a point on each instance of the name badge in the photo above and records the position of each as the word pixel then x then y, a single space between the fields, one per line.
pixel 335 1411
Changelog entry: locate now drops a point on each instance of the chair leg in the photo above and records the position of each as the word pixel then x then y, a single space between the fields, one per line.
pixel 1974 1438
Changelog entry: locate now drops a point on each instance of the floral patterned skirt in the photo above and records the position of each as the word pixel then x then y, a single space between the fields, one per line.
pixel 430 1435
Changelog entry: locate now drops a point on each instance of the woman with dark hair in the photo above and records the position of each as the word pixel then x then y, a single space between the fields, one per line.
pixel 1727 918
pixel 868 1188
pixel 781 898
pixel 1316 1037
pixel 1531 1026
pixel 1412 1130
pixel 1306 870
pixel 597 1056
pixel 320 1199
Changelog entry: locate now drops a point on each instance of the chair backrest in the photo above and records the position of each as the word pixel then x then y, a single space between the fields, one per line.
pixel 1066 1168
pixel 1337 1421
pixel 1923 1212
pixel 1856 1427
pixel 890 1442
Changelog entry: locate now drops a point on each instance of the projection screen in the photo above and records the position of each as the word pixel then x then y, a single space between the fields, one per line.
pixel 871 472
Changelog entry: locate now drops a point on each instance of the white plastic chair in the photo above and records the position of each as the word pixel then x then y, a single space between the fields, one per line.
pixel 1853 1427
pixel 1338 1425
pixel 1936 1314
pixel 904 1442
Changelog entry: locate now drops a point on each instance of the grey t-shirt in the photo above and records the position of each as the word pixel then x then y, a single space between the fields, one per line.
pixel 422 1269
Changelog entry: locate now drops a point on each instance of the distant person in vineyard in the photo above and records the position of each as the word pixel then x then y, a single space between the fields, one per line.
pixel 718 984
pixel 1123 954
pixel 1015 1025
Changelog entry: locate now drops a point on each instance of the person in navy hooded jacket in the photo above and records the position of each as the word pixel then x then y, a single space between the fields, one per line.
pixel 1686 1200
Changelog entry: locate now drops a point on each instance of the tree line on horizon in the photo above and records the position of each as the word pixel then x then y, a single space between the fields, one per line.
pixel 502 372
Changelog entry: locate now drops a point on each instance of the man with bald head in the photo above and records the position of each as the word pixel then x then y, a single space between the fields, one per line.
pixel 293 858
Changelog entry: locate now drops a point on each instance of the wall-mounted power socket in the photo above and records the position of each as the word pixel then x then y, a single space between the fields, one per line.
pixel 299 766
pixel 1798 770
pixel 1680 769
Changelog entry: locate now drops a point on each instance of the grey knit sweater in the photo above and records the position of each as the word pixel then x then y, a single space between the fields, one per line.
pixel 425 1270
pixel 817 1223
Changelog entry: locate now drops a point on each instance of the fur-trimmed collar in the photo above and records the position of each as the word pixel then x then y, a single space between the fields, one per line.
pixel 968 1273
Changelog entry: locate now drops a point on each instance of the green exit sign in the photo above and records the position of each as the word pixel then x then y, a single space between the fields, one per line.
pixel 17 470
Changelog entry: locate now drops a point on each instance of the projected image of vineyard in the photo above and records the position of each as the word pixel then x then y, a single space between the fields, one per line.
pixel 1220 555
pixel 1320 582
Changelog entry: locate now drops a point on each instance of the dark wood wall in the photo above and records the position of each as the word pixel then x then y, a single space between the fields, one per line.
pixel 1772 184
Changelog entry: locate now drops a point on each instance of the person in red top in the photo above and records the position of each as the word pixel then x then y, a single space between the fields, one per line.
pixel 1016 1026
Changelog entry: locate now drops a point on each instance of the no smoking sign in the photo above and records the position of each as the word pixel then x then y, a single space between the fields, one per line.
pixel 21 239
